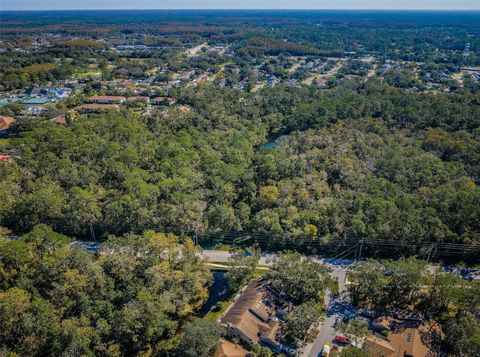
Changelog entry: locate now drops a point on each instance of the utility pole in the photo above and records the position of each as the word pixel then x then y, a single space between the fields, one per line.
pixel 196 235
pixel 360 252
pixel 92 232
pixel 430 249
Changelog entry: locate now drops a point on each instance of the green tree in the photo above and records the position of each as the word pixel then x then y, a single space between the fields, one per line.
pixel 200 338
pixel 356 328
pixel 351 352
pixel 299 321
pixel 303 279
pixel 462 335
pixel 242 267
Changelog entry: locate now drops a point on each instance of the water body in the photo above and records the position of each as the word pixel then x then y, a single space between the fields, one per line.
pixel 217 293
pixel 274 143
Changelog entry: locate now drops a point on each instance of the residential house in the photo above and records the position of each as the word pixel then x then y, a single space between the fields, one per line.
pixel 106 99
pixel 61 120
pixel 321 82
pixel 5 158
pixel 5 125
pixel 250 319
pixel 406 337
pixel 228 349
pixel 163 101
pixel 159 101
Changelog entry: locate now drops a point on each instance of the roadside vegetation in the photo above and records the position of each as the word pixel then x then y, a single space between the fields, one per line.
pixel 407 284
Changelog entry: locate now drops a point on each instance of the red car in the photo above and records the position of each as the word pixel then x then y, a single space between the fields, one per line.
pixel 342 340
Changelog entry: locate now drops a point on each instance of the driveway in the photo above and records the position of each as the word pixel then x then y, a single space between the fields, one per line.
pixel 327 330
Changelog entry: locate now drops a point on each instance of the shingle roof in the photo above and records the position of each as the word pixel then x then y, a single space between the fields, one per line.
pixel 415 338
pixel 248 312
pixel 228 349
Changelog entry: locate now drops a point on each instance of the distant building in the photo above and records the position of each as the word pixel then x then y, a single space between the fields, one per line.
pixel 407 336
pixel 5 125
pixel 59 120
pixel 35 90
pixel 184 108
pixel 5 158
pixel 321 82
pixel 159 101
pixel 96 108
pixel 106 99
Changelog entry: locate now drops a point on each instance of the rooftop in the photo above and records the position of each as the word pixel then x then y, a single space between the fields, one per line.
pixel 409 337
pixel 6 122
pixel 228 349
pixel 59 120
pixel 253 314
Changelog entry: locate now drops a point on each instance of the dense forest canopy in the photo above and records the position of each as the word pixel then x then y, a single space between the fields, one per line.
pixel 360 160
pixel 332 133
pixel 57 299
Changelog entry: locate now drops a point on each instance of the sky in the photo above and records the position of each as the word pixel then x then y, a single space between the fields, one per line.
pixel 238 4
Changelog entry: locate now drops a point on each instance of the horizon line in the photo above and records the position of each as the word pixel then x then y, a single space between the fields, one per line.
pixel 251 9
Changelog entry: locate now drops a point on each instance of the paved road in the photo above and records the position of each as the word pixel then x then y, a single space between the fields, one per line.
pixel 327 330
pixel 267 259
pixel 221 256
pixel 335 308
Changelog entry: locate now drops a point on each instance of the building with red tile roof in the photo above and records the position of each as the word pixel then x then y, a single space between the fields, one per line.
pixel 5 124
pixel 59 120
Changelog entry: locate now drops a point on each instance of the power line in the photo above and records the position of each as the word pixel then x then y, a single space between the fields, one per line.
pixel 441 248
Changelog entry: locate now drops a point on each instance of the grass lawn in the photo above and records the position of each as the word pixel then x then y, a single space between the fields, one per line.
pixel 4 143
pixel 259 272
pixel 87 74
pixel 214 315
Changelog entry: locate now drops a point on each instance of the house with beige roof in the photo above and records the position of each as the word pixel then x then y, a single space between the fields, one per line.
pixel 251 318
pixel 405 338
pixel 228 349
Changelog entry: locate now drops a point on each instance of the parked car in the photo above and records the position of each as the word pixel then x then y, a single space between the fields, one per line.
pixel 342 339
